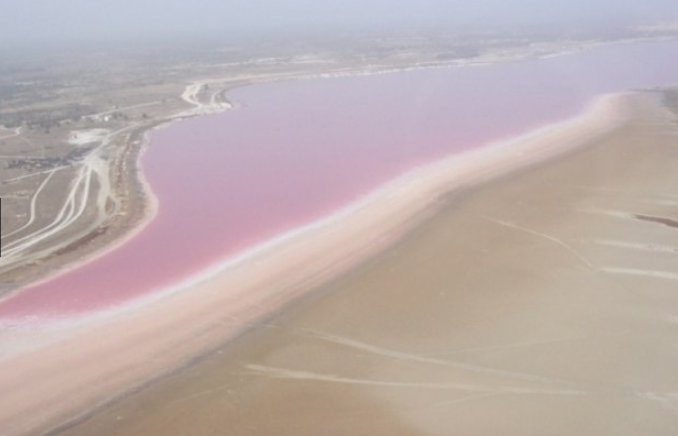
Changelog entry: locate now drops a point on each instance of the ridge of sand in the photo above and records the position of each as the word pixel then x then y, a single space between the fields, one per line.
pixel 150 338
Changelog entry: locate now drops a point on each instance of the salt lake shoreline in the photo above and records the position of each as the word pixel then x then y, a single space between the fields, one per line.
pixel 138 346
pixel 404 203
pixel 139 192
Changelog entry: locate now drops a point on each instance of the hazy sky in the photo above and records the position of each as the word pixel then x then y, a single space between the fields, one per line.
pixel 25 20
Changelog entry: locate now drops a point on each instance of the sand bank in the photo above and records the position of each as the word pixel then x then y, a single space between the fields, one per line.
pixel 148 339
pixel 535 304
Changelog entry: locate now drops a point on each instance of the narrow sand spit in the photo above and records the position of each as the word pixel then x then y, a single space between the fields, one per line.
pixel 56 382
pixel 508 312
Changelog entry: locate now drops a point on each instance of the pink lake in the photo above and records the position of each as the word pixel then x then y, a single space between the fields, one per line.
pixel 296 151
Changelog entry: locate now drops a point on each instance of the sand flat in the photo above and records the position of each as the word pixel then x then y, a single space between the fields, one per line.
pixel 535 304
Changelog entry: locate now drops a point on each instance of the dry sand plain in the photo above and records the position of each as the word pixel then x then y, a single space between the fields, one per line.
pixel 541 303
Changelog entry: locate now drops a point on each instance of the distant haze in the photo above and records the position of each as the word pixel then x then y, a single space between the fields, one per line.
pixel 42 20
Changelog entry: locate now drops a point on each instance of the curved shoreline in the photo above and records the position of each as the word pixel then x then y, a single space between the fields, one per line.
pixel 136 191
pixel 407 181
pixel 149 208
pixel 141 208
pixel 158 338
pixel 124 229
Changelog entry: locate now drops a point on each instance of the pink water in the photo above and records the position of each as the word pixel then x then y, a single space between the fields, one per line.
pixel 296 151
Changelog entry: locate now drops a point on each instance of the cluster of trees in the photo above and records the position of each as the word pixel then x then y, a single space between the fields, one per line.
pixel 671 99
pixel 459 53
pixel 44 163
pixel 44 119
pixel 10 90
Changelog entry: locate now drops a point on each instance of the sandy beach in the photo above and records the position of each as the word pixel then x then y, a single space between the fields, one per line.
pixel 155 337
pixel 539 299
